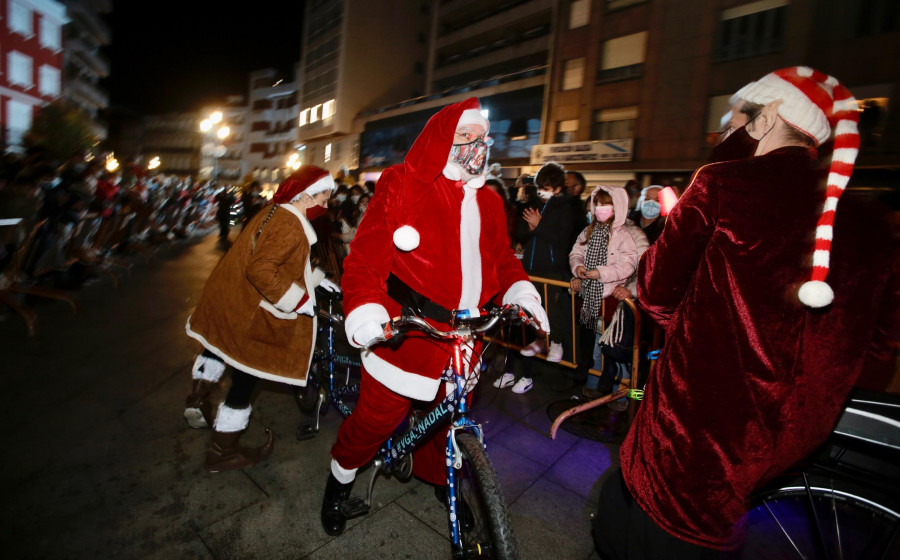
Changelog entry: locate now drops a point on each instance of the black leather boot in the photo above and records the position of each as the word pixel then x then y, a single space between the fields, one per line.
pixel 333 521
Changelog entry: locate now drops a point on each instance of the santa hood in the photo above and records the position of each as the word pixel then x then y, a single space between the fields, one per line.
pixel 424 164
pixel 620 203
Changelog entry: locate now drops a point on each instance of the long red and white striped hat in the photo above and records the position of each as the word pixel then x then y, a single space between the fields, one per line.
pixel 816 104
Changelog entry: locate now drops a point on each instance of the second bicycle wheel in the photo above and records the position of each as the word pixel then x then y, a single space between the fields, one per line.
pixel 485 530
pixel 308 397
pixel 854 523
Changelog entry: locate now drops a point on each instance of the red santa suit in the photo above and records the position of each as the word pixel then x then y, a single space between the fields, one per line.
pixel 455 252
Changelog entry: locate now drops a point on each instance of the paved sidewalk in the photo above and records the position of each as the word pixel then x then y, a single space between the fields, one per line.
pixel 98 462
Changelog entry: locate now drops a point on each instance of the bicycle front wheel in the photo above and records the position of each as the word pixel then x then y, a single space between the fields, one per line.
pixel 837 520
pixel 485 530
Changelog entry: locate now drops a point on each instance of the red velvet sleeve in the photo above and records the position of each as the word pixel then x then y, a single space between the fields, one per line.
pixel 667 268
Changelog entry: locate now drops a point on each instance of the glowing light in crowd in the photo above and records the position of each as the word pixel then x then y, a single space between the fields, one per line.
pixel 154 163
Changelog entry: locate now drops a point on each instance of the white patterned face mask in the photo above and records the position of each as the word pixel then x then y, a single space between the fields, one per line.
pixel 473 156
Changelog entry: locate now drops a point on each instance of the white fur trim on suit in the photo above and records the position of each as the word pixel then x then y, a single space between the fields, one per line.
pixel 469 251
pixel 291 298
pixel 406 383
pixel 519 291
pixel 276 312
pixel 245 368
pixel 232 419
pixel 208 369
pixel 369 312
pixel 344 476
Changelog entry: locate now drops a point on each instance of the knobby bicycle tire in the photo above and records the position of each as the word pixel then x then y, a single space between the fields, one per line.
pixel 489 533
pixel 857 522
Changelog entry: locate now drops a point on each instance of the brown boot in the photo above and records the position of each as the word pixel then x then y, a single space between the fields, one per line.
pixel 198 411
pixel 226 454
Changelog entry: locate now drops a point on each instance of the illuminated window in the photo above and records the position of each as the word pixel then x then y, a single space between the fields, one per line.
pixel 304 117
pixel 49 35
pixel 565 131
pixel 573 74
pixel 20 18
pixel 20 69
pixel 328 152
pixel 579 13
pixel 48 80
pixel 328 109
pixel 314 113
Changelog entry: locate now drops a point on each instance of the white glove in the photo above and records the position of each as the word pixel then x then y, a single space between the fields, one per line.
pixel 307 308
pixel 367 333
pixel 536 310
pixel 330 286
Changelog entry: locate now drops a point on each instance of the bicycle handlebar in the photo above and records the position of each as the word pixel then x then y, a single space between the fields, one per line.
pixel 467 328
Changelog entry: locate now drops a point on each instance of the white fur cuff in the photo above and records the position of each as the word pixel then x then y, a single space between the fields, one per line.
pixel 344 476
pixel 232 419
pixel 290 299
pixel 363 314
pixel 520 291
pixel 208 369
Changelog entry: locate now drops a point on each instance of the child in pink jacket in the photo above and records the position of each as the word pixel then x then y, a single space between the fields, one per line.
pixel 602 260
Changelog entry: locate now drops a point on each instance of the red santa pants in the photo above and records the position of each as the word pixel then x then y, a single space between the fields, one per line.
pixel 377 414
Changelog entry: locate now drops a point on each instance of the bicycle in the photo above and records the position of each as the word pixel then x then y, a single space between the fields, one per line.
pixel 478 519
pixel 845 504
pixel 321 389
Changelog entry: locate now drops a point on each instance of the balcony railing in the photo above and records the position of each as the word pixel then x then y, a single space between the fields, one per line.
pixel 621 73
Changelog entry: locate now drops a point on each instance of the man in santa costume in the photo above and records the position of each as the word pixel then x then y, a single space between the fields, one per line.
pixel 256 315
pixel 760 351
pixel 432 241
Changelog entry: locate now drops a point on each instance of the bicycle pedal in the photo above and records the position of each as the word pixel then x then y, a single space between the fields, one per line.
pixel 354 507
pixel 306 431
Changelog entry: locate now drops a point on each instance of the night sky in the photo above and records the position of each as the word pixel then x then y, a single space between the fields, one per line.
pixel 177 55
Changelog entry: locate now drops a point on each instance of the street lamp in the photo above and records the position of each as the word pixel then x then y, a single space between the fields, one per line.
pixel 154 163
pixel 210 127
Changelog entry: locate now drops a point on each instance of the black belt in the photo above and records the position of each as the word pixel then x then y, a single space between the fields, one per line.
pixel 414 303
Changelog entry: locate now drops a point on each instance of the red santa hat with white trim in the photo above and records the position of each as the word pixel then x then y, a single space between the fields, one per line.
pixel 816 104
pixel 309 179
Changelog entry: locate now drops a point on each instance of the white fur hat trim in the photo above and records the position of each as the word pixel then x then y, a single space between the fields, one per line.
pixel 406 238
pixel 326 183
pixel 474 116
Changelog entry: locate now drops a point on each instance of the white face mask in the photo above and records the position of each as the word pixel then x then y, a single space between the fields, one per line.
pixel 546 195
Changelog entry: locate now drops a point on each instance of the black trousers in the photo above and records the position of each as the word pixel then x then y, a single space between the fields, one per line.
pixel 622 531
pixel 242 385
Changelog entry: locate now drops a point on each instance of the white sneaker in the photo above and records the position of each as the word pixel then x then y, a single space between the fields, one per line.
pixel 556 352
pixel 523 385
pixel 505 380
pixel 533 349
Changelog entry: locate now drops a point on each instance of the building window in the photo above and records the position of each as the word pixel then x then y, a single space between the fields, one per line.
pixel 622 58
pixel 573 74
pixel 18 121
pixel 616 4
pixel 304 117
pixel 19 69
pixel 48 80
pixel 874 17
pixel 328 109
pixel 718 112
pixel 615 124
pixel 314 113
pixel 327 152
pixel 579 13
pixel 49 35
pixel 751 30
pixel 20 18
pixel 565 131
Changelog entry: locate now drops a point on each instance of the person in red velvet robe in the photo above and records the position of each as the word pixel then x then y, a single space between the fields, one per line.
pixel 757 362
pixel 431 238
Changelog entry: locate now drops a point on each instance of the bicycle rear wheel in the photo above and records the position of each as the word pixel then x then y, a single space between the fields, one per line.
pixel 854 522
pixel 485 530
pixel 308 397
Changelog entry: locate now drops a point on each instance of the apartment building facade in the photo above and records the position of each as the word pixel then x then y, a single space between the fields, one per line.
pixel 83 64
pixel 271 129
pixel 638 87
pixel 31 61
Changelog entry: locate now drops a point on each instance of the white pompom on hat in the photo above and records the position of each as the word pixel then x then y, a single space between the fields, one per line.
pixel 816 104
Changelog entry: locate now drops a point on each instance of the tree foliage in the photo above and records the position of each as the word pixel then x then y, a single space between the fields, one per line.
pixel 63 130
